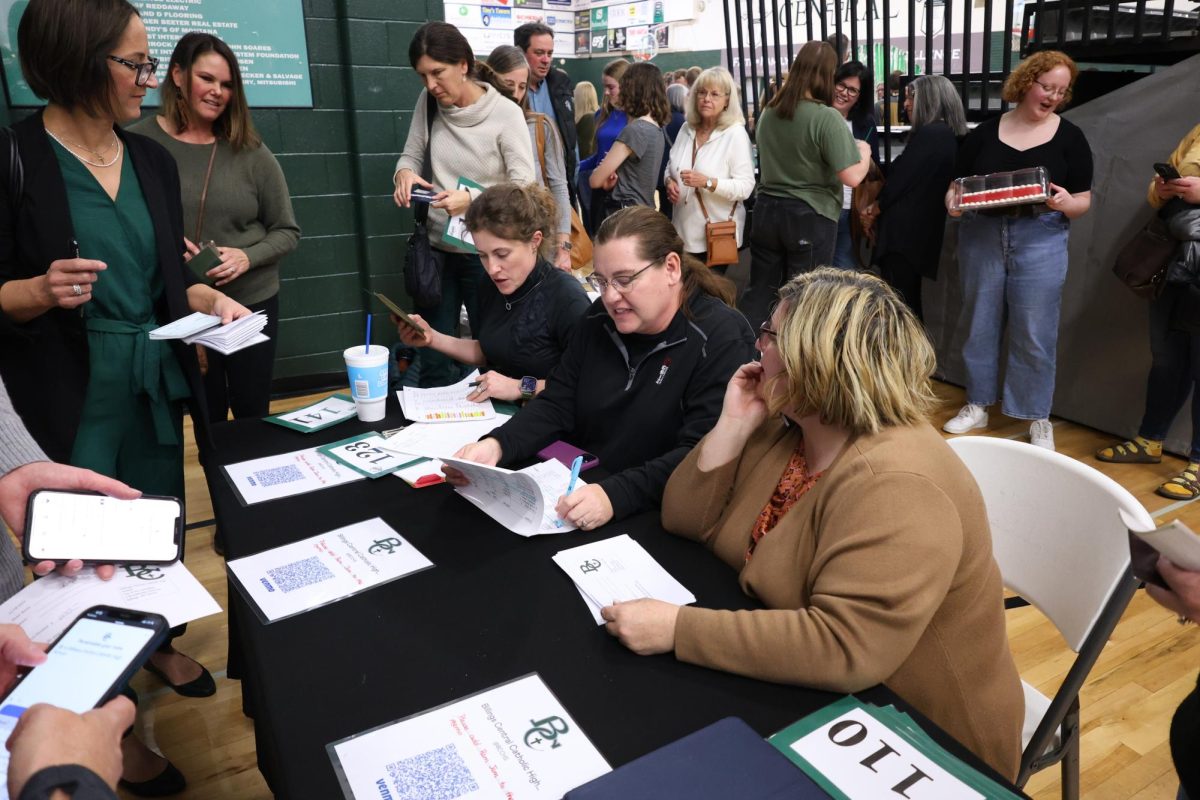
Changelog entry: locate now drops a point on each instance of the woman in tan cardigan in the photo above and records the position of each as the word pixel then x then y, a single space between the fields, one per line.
pixel 847 515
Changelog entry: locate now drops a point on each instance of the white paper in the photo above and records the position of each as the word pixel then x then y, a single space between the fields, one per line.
pixel 522 501
pixel 286 475
pixel 445 403
pixel 1175 540
pixel 47 606
pixel 512 742
pixel 619 569
pixel 239 334
pixel 186 326
pixel 366 455
pixel 440 441
pixel 829 750
pixel 312 572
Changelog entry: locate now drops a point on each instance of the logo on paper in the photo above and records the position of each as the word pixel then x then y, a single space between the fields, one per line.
pixel 590 565
pixel 143 572
pixel 545 730
pixel 387 546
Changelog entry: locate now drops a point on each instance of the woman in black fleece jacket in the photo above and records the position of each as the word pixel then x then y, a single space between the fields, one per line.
pixel 644 376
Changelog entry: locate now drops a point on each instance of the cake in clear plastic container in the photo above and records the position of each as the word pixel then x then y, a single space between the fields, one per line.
pixel 997 189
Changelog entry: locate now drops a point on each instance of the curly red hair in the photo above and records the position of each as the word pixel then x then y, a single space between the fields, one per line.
pixel 1032 68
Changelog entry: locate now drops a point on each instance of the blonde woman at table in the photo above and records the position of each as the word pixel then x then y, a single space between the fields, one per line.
pixel 849 518
pixel 710 172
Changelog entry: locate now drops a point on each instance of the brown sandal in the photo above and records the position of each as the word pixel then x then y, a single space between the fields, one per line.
pixel 1184 486
pixel 1134 451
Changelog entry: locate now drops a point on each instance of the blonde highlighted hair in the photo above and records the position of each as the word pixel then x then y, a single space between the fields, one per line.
pixel 852 353
pixel 719 79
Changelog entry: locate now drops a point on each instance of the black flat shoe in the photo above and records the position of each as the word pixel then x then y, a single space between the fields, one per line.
pixel 168 782
pixel 201 686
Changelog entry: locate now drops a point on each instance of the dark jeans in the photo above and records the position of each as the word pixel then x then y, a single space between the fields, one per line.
pixel 241 382
pixel 1174 371
pixel 461 274
pixel 905 278
pixel 788 237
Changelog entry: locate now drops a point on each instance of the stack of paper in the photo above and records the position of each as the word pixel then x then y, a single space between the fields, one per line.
pixel 206 329
pixel 619 569
pixel 445 403
pixel 522 501
pixel 855 750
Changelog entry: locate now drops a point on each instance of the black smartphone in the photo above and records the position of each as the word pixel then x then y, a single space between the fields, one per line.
pixel 85 667
pixel 420 194
pixel 98 529
pixel 206 259
pixel 1167 172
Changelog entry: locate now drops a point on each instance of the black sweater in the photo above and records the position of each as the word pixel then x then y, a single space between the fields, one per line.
pixel 527 332
pixel 640 403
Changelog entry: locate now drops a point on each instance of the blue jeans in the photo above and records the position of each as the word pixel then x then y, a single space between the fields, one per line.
pixel 1014 266
pixel 1174 370
pixel 844 255
pixel 461 274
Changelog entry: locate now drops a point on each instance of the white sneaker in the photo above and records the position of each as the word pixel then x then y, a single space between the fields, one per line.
pixel 969 418
pixel 1041 433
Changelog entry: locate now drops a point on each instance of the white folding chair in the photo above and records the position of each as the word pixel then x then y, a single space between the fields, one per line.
pixel 1061 545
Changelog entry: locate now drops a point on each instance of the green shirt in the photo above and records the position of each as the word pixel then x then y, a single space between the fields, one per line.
pixel 801 157
pixel 247 207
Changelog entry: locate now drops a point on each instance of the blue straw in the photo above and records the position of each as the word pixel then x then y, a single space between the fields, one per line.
pixel 367 348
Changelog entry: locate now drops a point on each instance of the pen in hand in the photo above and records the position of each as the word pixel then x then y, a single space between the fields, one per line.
pixel 576 465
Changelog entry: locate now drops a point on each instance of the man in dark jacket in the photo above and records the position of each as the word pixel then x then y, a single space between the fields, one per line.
pixel 551 91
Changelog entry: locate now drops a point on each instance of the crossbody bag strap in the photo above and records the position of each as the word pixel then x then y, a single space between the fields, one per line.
pixel 212 156
pixel 700 197
pixel 422 211
pixel 540 136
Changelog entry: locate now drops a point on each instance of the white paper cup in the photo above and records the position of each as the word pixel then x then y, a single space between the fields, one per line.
pixel 368 372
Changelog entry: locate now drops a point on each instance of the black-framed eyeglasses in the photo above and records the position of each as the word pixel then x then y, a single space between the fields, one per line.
pixel 766 330
pixel 620 282
pixel 143 70
pixel 849 91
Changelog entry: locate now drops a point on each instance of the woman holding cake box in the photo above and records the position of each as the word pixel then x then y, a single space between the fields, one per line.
pixel 1012 242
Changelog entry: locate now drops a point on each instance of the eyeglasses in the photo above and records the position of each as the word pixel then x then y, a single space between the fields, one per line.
pixel 621 282
pixel 143 70
pixel 1052 91
pixel 709 95
pixel 766 330
pixel 849 91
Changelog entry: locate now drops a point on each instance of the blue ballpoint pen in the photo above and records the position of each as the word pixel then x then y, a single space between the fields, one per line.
pixel 576 465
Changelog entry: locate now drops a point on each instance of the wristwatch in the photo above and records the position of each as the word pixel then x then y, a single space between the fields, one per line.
pixel 708 184
pixel 528 387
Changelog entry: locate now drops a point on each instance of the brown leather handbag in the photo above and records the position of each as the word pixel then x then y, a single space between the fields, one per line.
pixel 720 238
pixel 1142 263
pixel 581 243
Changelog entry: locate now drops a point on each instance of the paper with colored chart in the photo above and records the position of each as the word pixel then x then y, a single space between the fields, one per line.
pixel 514 741
pixel 445 403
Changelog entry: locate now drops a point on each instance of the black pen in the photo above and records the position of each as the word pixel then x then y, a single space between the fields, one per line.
pixel 474 383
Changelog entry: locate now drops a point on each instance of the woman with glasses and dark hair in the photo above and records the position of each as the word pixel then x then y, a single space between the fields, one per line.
pixel 91 260
pixel 710 172
pixel 806 155
pixel 849 518
pixel 461 127
pixel 643 377
pixel 1013 260
pixel 909 239
pixel 851 99
pixel 234 195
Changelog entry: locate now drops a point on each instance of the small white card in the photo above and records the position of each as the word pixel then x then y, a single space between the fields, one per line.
pixel 619 569
pixel 325 568
pixel 318 416
pixel 365 454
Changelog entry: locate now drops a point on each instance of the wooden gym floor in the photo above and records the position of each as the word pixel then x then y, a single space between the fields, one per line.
pixel 1148 667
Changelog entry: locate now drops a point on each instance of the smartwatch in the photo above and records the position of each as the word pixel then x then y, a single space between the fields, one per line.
pixel 528 387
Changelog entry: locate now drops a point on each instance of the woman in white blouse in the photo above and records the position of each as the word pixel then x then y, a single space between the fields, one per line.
pixel 711 168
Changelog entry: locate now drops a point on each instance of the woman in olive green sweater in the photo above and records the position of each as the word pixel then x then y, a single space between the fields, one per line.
pixel 850 518
pixel 246 210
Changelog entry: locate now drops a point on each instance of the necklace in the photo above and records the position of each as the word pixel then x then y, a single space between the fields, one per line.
pixel 508 304
pixel 69 145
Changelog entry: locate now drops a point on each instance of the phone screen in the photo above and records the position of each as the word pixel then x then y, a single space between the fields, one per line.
pixel 77 673
pixel 91 527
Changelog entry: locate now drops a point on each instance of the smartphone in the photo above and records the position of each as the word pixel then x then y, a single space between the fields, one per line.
pixel 420 194
pixel 1167 172
pixel 85 667
pixel 565 454
pixel 206 259
pixel 400 313
pixel 97 529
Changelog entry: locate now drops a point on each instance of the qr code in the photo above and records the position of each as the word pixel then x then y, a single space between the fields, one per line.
pixel 437 774
pixel 277 475
pixel 299 574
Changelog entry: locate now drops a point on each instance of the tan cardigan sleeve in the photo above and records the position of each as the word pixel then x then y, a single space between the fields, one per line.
pixel 694 501
pixel 887 551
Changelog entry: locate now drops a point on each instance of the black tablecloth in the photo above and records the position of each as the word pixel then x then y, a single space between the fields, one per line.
pixel 493 608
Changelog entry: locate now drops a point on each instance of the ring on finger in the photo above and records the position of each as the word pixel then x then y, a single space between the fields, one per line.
pixel 76 289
